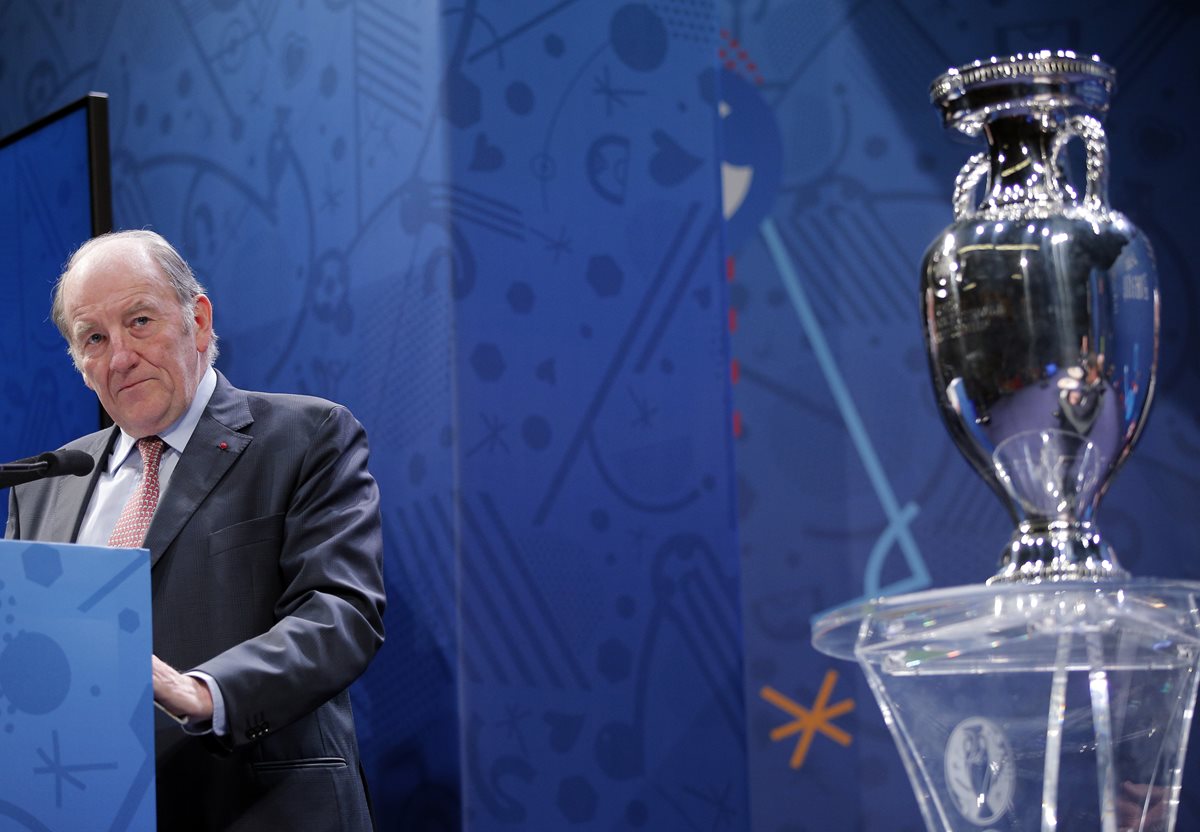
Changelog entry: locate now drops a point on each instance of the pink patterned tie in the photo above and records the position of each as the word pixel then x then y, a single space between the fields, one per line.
pixel 139 509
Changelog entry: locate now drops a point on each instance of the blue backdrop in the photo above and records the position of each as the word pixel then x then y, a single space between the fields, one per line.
pixel 627 449
pixel 45 207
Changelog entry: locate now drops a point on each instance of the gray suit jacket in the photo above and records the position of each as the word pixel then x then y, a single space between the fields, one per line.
pixel 266 571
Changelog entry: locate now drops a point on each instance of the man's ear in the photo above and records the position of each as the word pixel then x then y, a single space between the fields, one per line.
pixel 202 323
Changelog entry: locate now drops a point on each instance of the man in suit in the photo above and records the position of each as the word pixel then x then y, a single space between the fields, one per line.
pixel 263 527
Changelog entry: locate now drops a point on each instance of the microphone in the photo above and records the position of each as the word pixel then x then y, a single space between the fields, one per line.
pixel 49 464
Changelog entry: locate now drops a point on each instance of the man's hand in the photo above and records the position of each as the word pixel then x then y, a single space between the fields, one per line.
pixel 179 694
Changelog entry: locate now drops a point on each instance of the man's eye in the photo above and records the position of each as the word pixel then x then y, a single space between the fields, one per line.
pixel 94 338
pixel 141 320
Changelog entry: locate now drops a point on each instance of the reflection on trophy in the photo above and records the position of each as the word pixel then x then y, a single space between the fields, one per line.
pixel 1059 694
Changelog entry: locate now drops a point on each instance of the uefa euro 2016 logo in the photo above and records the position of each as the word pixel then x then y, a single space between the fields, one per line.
pixel 980 773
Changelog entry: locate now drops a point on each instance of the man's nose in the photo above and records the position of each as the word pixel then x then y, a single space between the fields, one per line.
pixel 122 357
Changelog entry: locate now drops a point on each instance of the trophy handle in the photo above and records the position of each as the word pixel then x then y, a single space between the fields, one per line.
pixel 964 185
pixel 1089 129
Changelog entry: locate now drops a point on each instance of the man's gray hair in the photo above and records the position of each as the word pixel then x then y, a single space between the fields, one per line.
pixel 170 262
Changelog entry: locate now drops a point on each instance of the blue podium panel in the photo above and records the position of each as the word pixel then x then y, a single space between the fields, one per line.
pixel 76 708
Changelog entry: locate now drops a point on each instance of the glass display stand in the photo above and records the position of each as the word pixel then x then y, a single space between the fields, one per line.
pixel 1050 706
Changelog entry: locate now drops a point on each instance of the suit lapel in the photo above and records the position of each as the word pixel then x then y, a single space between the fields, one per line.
pixel 214 447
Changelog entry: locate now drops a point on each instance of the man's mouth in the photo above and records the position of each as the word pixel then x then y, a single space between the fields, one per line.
pixel 131 385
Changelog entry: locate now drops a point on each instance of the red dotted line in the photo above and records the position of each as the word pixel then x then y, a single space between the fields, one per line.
pixel 734 57
pixel 735 370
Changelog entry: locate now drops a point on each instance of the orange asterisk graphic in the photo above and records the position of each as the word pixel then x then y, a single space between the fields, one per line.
pixel 807 722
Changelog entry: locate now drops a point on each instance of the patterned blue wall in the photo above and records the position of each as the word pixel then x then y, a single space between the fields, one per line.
pixel 495 234
pixel 847 482
pixel 600 663
pixel 493 231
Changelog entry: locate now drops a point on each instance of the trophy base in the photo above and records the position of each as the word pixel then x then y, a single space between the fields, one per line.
pixel 1057 705
pixel 1057 550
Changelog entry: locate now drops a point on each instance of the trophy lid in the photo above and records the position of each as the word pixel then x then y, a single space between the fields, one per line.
pixel 1037 82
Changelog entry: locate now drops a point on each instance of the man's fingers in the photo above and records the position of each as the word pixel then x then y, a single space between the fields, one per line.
pixel 180 694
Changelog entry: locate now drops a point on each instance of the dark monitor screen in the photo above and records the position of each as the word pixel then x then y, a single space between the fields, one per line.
pixel 54 194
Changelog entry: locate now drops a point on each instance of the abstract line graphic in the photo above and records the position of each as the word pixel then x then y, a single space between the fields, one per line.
pixel 118 579
pixel 634 332
pixel 387 61
pixel 899 518
pixel 808 721
pixel 63 772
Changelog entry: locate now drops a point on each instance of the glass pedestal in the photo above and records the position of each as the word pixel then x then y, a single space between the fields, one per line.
pixel 1050 706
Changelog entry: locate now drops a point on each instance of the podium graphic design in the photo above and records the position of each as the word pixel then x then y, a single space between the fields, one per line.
pixel 76 705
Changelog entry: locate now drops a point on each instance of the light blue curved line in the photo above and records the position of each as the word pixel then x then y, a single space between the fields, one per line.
pixel 897 524
pixel 875 560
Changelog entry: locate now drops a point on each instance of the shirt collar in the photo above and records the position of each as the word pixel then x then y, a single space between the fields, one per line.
pixel 177 435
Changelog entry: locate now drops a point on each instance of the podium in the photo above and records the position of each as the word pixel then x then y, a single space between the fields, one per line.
pixel 76 704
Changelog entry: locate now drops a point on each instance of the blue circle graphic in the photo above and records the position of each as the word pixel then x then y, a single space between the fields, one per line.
pixel 34 674
pixel 639 37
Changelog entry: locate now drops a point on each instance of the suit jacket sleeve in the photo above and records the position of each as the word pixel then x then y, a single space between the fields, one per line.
pixel 329 615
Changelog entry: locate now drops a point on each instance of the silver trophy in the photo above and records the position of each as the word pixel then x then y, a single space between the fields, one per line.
pixel 1058 694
